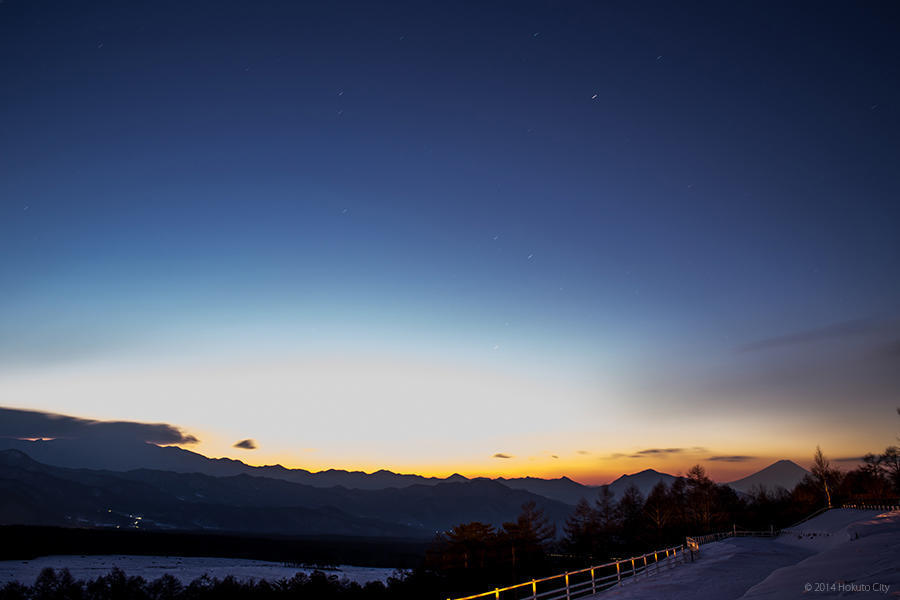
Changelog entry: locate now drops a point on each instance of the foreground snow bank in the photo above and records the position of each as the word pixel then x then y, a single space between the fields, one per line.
pixel 863 557
pixel 185 569
pixel 840 553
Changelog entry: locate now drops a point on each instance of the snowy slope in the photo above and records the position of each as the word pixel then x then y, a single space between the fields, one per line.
pixel 858 559
pixel 724 571
pixel 842 547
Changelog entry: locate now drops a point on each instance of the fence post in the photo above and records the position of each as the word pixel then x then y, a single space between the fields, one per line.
pixel 593 583
pixel 568 596
pixel 533 589
pixel 618 572
pixel 633 570
pixel 497 593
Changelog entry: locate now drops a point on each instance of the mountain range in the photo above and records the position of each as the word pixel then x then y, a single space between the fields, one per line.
pixel 81 482
pixel 37 494
pixel 95 454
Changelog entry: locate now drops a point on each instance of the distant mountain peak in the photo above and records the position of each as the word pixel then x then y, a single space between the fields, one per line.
pixel 782 473
pixel 644 481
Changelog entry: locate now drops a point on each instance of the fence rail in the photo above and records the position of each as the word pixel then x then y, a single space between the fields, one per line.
pixel 588 581
pixel 693 543
pixel 884 507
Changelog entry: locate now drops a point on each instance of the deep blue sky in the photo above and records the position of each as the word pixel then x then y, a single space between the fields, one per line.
pixel 592 191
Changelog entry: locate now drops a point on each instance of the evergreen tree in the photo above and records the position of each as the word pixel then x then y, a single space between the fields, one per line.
pixel 527 537
pixel 658 508
pixel 631 510
pixel 701 497
pixel 582 528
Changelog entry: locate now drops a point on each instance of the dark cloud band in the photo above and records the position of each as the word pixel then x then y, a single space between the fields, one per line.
pixel 30 424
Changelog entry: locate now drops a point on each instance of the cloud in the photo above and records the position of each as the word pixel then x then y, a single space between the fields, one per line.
pixel 31 424
pixel 659 452
pixel 554 456
pixel 845 329
pixel 891 350
pixel 735 458
pixel 584 452
pixel 662 451
pixel 852 459
pixel 501 455
pixel 247 444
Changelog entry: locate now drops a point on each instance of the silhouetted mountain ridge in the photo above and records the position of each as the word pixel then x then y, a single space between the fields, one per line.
pixel 38 494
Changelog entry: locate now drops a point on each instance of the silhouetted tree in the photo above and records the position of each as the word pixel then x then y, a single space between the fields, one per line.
pixel 678 505
pixel 658 509
pixel 606 510
pixel 527 538
pixel 701 497
pixel 890 463
pixel 468 544
pixel 631 511
pixel 166 587
pixel 582 529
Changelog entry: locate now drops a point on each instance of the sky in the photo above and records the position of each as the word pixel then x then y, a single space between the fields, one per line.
pixel 544 238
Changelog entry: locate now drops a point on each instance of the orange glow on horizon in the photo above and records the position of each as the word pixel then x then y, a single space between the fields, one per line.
pixel 593 472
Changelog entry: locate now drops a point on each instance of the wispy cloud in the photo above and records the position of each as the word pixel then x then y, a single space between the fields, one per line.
pixel 584 451
pixel 247 444
pixel 735 458
pixel 853 328
pixel 891 349
pixel 659 451
pixel 501 455
pixel 18 423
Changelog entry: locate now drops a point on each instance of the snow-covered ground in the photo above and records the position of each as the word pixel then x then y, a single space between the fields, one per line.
pixel 186 569
pixel 859 558
pixel 840 553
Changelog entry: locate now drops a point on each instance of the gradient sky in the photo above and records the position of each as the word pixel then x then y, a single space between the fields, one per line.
pixel 594 237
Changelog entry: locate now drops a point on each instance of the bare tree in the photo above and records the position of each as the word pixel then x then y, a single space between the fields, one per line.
pixel 824 473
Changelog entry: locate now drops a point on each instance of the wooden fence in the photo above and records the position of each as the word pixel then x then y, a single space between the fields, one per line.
pixel 883 507
pixel 588 581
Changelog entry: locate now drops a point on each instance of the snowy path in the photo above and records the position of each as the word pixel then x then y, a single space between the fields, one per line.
pixel 838 554
pixel 185 569
pixel 724 571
